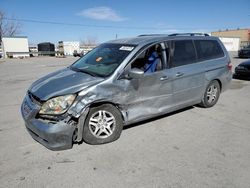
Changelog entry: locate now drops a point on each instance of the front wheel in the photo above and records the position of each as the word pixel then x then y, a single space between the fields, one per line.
pixel 103 125
pixel 211 94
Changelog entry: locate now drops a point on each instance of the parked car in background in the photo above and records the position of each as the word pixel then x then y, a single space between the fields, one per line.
pixel 244 52
pixel 122 82
pixel 76 54
pixel 243 69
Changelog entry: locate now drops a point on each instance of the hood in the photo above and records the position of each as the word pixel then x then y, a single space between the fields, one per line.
pixel 62 82
pixel 245 64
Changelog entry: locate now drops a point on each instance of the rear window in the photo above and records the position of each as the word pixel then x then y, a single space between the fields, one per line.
pixel 184 53
pixel 208 49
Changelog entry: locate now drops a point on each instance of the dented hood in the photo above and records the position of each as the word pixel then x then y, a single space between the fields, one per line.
pixel 62 82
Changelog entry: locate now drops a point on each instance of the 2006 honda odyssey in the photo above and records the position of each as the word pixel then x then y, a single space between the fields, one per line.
pixel 125 81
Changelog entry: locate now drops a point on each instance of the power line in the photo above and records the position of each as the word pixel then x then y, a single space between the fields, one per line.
pixel 78 24
pixel 114 27
pixel 97 26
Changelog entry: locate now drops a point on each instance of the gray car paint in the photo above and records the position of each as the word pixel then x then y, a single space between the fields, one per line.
pixel 62 82
pixel 137 99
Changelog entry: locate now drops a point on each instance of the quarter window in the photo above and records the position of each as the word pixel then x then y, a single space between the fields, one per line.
pixel 184 53
pixel 208 49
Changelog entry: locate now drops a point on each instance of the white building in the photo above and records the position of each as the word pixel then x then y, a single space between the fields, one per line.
pixel 231 43
pixel 68 47
pixel 15 47
pixel 85 49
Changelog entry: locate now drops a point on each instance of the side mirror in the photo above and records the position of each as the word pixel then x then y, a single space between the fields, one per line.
pixel 135 73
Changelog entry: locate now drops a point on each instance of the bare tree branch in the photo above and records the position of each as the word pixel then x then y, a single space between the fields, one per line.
pixel 89 41
pixel 8 28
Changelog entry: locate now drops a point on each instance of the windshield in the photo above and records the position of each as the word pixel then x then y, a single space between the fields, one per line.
pixel 103 60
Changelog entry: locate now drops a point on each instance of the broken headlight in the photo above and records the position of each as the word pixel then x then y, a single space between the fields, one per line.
pixel 57 105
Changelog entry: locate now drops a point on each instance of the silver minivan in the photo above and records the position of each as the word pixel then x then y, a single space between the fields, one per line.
pixel 122 82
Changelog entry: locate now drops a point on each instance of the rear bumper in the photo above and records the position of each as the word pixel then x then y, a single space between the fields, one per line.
pixel 226 80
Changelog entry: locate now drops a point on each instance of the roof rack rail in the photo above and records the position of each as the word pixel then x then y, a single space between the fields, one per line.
pixel 145 35
pixel 189 34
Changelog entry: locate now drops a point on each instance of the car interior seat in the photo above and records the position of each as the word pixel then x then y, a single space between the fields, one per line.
pixel 152 62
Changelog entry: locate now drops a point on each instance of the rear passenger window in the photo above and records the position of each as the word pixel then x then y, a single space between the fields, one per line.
pixel 208 49
pixel 184 53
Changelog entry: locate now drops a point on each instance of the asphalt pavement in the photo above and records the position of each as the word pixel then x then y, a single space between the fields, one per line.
pixel 194 147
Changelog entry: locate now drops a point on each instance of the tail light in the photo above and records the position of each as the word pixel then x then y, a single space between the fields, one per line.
pixel 230 66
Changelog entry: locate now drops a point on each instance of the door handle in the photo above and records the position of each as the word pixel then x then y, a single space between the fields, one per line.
pixel 179 74
pixel 164 78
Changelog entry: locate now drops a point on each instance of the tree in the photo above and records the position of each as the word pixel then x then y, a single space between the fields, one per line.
pixel 8 27
pixel 89 41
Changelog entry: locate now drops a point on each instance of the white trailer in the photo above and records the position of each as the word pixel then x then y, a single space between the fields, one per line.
pixel 68 47
pixel 15 46
pixel 231 43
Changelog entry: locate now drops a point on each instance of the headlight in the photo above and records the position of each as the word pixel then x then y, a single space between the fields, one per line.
pixel 57 105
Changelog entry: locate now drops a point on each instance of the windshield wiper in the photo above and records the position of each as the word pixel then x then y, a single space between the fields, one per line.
pixel 86 72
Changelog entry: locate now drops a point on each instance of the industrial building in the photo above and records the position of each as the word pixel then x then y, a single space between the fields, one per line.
pixel 14 47
pixel 68 47
pixel 242 34
pixel 86 48
pixel 231 43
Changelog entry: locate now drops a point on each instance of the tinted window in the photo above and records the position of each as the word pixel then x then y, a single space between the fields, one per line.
pixel 184 53
pixel 208 49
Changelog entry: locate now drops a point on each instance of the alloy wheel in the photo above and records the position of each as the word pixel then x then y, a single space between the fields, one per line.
pixel 102 124
pixel 212 93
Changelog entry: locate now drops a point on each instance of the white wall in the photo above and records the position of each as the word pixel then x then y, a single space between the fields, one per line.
pixel 231 44
pixel 15 44
pixel 69 47
pixel 86 49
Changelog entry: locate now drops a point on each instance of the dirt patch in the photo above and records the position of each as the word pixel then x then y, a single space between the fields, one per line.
pixel 65 161
pixel 237 84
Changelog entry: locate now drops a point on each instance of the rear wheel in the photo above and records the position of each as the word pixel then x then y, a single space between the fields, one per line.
pixel 103 125
pixel 211 94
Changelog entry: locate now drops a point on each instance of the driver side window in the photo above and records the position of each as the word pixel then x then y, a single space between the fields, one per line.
pixel 150 60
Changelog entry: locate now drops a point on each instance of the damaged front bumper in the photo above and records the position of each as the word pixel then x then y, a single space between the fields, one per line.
pixel 53 135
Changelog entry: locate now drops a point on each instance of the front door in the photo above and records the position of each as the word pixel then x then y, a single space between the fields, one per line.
pixel 150 94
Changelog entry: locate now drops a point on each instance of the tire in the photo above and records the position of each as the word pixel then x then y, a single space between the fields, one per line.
pixel 211 94
pixel 103 124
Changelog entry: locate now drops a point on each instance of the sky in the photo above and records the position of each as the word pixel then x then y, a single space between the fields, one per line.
pixel 103 20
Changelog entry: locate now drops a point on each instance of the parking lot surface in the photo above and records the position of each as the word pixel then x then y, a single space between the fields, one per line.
pixel 195 147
